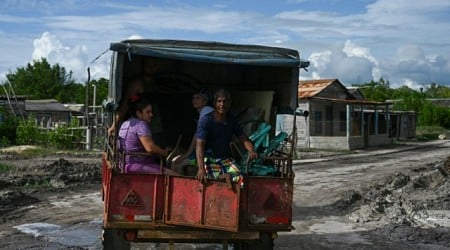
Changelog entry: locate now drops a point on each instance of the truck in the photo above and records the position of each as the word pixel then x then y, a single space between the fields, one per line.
pixel 263 81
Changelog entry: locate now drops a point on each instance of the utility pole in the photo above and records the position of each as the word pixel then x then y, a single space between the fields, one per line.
pixel 86 113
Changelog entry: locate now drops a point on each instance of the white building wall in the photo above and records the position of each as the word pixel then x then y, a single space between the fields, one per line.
pixel 326 142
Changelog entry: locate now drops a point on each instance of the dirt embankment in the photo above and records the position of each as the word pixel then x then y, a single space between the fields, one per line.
pixel 27 180
pixel 413 205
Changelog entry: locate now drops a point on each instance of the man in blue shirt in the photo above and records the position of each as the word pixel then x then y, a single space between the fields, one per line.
pixel 214 133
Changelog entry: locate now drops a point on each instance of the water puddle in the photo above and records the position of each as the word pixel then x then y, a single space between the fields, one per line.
pixel 88 236
pixel 37 229
pixel 85 235
pixel 438 217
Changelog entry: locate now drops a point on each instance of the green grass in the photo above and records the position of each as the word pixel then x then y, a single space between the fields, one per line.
pixel 428 133
pixel 40 185
pixel 4 168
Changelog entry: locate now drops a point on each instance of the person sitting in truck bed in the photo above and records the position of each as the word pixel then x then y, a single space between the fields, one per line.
pixel 214 134
pixel 134 87
pixel 141 154
pixel 200 101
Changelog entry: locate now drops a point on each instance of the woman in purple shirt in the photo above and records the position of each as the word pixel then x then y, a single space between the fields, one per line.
pixel 135 137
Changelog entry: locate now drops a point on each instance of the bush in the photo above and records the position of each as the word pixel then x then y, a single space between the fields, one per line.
pixel 428 133
pixel 61 137
pixel 4 168
pixel 65 136
pixel 8 125
pixel 28 133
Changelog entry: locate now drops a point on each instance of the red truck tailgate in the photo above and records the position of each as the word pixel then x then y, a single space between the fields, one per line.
pixel 192 203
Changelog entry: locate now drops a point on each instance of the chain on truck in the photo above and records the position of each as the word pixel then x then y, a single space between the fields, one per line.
pixel 263 81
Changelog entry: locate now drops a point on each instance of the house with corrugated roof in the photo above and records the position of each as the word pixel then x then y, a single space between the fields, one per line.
pixel 47 112
pixel 338 118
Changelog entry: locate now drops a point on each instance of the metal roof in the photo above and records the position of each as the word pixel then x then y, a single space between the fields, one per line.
pixel 216 52
pixel 49 105
pixel 356 102
pixel 356 92
pixel 311 88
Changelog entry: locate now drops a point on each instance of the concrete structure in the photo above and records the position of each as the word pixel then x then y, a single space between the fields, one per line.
pixel 337 119
pixel 402 124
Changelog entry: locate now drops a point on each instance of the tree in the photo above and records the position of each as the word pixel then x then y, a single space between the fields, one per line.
pixel 432 115
pixel 102 90
pixel 72 93
pixel 8 125
pixel 40 80
pixel 409 99
pixel 437 91
pixel 377 90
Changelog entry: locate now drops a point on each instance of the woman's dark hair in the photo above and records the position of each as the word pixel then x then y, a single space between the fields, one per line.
pixel 137 103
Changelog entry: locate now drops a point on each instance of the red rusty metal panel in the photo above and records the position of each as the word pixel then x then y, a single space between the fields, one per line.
pixel 135 197
pixel 212 205
pixel 184 201
pixel 222 206
pixel 269 200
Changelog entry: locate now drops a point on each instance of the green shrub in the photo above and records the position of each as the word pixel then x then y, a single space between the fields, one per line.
pixel 4 168
pixel 8 125
pixel 28 133
pixel 61 137
pixel 428 133
pixel 4 142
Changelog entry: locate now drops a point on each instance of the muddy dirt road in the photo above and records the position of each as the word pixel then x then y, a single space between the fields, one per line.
pixel 392 198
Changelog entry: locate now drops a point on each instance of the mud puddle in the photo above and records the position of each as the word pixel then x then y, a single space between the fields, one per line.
pixel 83 235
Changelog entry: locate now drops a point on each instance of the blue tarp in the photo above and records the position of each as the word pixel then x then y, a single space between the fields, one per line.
pixel 212 52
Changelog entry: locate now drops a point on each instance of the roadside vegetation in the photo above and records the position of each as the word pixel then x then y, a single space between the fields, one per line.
pixel 40 80
pixel 27 132
pixel 433 120
pixel 4 168
pixel 427 133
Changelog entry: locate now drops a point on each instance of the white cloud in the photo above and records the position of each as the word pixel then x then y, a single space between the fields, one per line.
pixel 153 18
pixel 352 50
pixel 411 66
pixel 347 62
pixel 320 60
pixel 74 58
pixel 135 37
pixel 410 83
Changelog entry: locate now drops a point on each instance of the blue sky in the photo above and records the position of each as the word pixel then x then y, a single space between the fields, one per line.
pixel 404 41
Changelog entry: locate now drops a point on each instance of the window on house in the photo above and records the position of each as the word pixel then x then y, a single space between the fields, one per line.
pixel 318 123
pixel 371 123
pixel 356 123
pixel 382 124
pixel 329 120
pixel 342 121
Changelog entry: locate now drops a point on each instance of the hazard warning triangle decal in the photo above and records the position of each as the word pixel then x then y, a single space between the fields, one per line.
pixel 131 200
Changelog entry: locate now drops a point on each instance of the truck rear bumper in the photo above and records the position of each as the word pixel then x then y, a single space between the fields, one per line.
pixel 194 235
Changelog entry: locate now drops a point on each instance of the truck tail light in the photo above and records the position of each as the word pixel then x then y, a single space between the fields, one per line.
pixel 130 235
